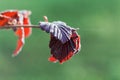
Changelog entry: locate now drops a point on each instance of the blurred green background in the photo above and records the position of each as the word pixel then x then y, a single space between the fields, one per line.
pixel 99 58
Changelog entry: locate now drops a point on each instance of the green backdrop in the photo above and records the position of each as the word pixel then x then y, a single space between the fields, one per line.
pixel 99 58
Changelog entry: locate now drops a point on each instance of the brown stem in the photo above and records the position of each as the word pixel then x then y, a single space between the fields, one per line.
pixel 18 26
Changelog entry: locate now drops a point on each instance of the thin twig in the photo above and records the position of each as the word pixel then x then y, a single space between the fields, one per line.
pixel 18 26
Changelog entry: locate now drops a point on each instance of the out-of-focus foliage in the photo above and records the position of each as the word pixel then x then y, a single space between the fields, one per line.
pixel 99 58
